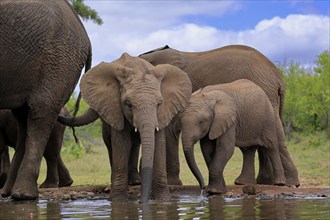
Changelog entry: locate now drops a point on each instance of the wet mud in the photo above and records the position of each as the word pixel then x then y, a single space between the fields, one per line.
pixel 234 191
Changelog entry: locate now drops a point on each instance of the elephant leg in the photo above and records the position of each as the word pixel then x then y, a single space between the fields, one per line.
pixel 278 171
pixel 133 173
pixel 160 190
pixel 225 146
pixel 106 135
pixel 120 150
pixel 290 170
pixel 172 134
pixel 21 119
pixel 64 177
pixel 265 175
pixel 208 148
pixel 5 164
pixel 39 126
pixel 247 175
pixel 51 155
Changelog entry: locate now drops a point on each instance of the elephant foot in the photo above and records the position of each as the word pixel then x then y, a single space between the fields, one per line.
pixel 265 180
pixel 291 181
pixel 65 183
pixel 174 180
pixel 25 193
pixel 279 183
pixel 215 189
pixel 22 195
pixel 244 181
pixel 163 195
pixel 47 184
pixel 5 193
pixel 6 190
pixel 134 179
pixel 118 196
pixel 25 190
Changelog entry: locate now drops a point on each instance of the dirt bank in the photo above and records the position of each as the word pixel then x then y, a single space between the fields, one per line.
pixel 260 191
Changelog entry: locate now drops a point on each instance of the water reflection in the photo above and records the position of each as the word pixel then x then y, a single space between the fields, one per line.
pixel 183 207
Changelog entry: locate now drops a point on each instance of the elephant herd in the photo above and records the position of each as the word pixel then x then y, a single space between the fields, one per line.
pixel 226 97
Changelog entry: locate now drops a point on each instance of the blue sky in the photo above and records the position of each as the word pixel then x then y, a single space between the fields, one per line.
pixel 249 13
pixel 284 31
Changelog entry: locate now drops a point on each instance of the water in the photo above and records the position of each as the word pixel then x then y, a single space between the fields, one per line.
pixel 181 207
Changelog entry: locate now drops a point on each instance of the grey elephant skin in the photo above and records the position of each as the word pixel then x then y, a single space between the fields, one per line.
pixel 224 65
pixel 130 94
pixel 228 115
pixel 57 173
pixel 44 48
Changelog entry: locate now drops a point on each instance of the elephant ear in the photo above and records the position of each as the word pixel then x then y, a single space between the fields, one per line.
pixel 176 90
pixel 224 114
pixel 100 87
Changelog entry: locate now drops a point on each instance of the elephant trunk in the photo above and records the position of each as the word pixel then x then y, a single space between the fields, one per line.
pixel 147 135
pixel 188 148
pixel 88 117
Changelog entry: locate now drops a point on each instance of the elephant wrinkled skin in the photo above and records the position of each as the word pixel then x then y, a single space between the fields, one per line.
pixel 57 173
pixel 44 48
pixel 224 65
pixel 131 95
pixel 224 116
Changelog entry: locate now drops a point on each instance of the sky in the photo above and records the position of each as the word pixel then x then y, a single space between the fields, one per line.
pixel 285 30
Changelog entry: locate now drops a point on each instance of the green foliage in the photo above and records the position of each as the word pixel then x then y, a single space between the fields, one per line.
pixel 88 135
pixel 307 101
pixel 85 12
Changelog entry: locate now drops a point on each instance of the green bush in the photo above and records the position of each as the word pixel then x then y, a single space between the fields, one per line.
pixel 307 101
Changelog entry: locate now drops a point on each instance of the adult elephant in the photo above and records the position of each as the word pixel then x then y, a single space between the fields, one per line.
pixel 57 173
pixel 44 47
pixel 131 95
pixel 224 65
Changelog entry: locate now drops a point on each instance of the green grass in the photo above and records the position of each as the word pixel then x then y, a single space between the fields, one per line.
pixel 310 153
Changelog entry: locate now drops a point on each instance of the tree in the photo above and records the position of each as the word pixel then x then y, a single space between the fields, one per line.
pixel 307 101
pixel 322 72
pixel 85 12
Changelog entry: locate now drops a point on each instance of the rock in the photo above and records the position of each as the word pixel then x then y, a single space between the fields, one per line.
pixel 249 189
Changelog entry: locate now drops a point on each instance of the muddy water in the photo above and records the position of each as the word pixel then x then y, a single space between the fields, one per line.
pixel 181 207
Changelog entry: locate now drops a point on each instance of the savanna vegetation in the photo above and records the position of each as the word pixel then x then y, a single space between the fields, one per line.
pixel 305 119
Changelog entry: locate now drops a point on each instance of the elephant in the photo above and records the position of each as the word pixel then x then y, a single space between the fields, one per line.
pixel 131 95
pixel 224 116
pixel 223 65
pixel 57 173
pixel 44 47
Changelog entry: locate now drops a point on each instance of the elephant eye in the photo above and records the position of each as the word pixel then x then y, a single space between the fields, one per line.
pixel 201 121
pixel 128 104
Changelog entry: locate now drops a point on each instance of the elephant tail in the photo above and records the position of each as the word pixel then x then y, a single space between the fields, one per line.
pixel 88 66
pixel 281 94
pixel 88 117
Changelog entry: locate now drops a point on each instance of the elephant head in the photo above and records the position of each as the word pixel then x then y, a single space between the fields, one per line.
pixel 209 112
pixel 148 97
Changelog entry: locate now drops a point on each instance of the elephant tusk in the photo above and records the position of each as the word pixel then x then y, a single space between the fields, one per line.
pixel 157 128
pixel 135 129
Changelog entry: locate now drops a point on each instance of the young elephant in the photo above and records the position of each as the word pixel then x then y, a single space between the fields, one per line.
pixel 224 116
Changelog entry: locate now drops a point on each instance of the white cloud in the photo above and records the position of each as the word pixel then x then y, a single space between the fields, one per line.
pixel 135 28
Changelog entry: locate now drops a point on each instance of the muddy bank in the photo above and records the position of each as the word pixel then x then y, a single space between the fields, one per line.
pixel 259 191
